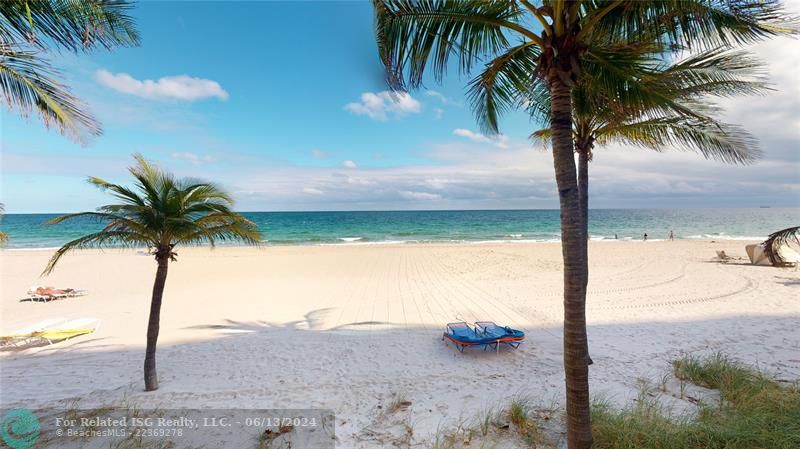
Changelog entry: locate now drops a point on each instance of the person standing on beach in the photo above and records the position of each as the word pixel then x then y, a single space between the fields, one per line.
pixel 645 236
pixel 671 235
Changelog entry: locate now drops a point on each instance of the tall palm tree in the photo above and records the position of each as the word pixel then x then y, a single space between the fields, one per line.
pixel 549 43
pixel 30 28
pixel 3 235
pixel 160 212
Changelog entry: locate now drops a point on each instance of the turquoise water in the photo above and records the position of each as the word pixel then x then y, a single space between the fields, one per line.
pixel 293 228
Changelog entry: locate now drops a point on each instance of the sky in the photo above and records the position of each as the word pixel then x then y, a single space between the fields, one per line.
pixel 286 106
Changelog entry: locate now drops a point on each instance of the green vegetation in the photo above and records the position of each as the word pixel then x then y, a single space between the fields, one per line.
pixel 537 55
pixel 753 411
pixel 30 29
pixel 160 212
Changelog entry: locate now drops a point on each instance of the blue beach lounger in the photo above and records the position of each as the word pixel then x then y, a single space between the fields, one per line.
pixel 464 336
pixel 501 334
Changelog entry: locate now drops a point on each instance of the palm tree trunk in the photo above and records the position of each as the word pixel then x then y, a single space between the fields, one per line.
pixel 150 376
pixel 573 244
pixel 583 194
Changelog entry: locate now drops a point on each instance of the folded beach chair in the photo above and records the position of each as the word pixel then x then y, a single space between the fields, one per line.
pixel 501 334
pixel 465 336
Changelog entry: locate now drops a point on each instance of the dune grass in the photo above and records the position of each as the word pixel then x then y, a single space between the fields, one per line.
pixel 753 411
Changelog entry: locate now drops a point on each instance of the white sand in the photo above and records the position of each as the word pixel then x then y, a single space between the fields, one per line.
pixel 352 327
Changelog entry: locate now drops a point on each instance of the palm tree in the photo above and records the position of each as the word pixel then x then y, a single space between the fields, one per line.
pixel 776 240
pixel 3 235
pixel 549 44
pixel 680 118
pixel 29 28
pixel 160 212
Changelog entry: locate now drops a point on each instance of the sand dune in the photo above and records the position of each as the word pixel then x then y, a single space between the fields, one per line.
pixel 352 327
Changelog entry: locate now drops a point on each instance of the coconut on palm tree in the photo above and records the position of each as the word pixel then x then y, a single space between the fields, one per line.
pixel 29 29
pixel 550 43
pixel 160 212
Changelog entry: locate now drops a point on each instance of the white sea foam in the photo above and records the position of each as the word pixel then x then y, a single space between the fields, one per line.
pixel 350 239
pixel 723 236
pixel 32 249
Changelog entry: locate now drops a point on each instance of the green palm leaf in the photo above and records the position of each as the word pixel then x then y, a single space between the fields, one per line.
pixel 30 28
pixel 69 24
pixel 713 140
pixel 503 85
pixel 28 83
pixel 698 24
pixel 411 34
pixel 160 212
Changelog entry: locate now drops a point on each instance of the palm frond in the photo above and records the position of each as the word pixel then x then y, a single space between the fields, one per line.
pixel 778 239
pixel 501 87
pixel 719 72
pixel 161 211
pixel 68 24
pixel 97 240
pixel 713 140
pixel 697 24
pixel 27 84
pixel 413 33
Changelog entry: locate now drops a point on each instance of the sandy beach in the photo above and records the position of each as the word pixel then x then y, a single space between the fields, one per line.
pixel 354 327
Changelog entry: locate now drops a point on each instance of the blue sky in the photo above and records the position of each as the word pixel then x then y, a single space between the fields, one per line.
pixel 285 105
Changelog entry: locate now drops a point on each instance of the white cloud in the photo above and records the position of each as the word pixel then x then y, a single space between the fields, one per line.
pixel 312 191
pixel 443 98
pixel 378 106
pixel 362 181
pixel 420 195
pixel 192 157
pixel 500 141
pixel 349 164
pixel 438 113
pixel 319 154
pixel 181 87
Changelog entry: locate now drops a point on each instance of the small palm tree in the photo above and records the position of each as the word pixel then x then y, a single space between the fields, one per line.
pixel 160 212
pixel 3 235
pixel 29 28
pixel 681 117
pixel 549 43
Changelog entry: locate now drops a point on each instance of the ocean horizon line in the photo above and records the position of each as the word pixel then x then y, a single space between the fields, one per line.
pixel 449 210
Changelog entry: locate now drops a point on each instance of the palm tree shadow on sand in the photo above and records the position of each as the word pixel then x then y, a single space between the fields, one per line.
pixel 313 320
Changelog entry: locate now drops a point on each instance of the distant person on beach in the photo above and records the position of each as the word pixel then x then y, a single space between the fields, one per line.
pixel 645 236
pixel 615 236
pixel 671 235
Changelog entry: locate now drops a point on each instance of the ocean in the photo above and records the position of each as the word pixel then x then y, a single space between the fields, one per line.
pixel 360 228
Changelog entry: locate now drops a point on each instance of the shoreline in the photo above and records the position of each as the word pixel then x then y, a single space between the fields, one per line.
pixel 402 243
